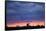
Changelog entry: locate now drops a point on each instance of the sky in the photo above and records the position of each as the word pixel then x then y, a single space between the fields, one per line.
pixel 24 12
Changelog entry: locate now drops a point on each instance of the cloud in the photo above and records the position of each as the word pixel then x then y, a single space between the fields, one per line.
pixel 25 11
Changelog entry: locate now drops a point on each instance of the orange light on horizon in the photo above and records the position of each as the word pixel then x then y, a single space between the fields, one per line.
pixel 20 24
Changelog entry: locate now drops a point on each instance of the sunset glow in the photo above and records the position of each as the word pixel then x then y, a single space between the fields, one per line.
pixel 21 13
pixel 20 24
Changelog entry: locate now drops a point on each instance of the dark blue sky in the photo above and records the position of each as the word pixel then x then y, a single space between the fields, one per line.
pixel 25 11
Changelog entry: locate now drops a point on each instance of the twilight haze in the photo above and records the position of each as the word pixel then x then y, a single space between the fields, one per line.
pixel 21 13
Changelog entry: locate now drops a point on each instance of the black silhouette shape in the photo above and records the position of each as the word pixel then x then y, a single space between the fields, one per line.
pixel 25 27
pixel 28 25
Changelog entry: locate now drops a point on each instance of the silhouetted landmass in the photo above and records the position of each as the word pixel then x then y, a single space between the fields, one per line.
pixel 25 27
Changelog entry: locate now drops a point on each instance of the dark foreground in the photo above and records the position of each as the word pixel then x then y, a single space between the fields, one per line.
pixel 24 27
